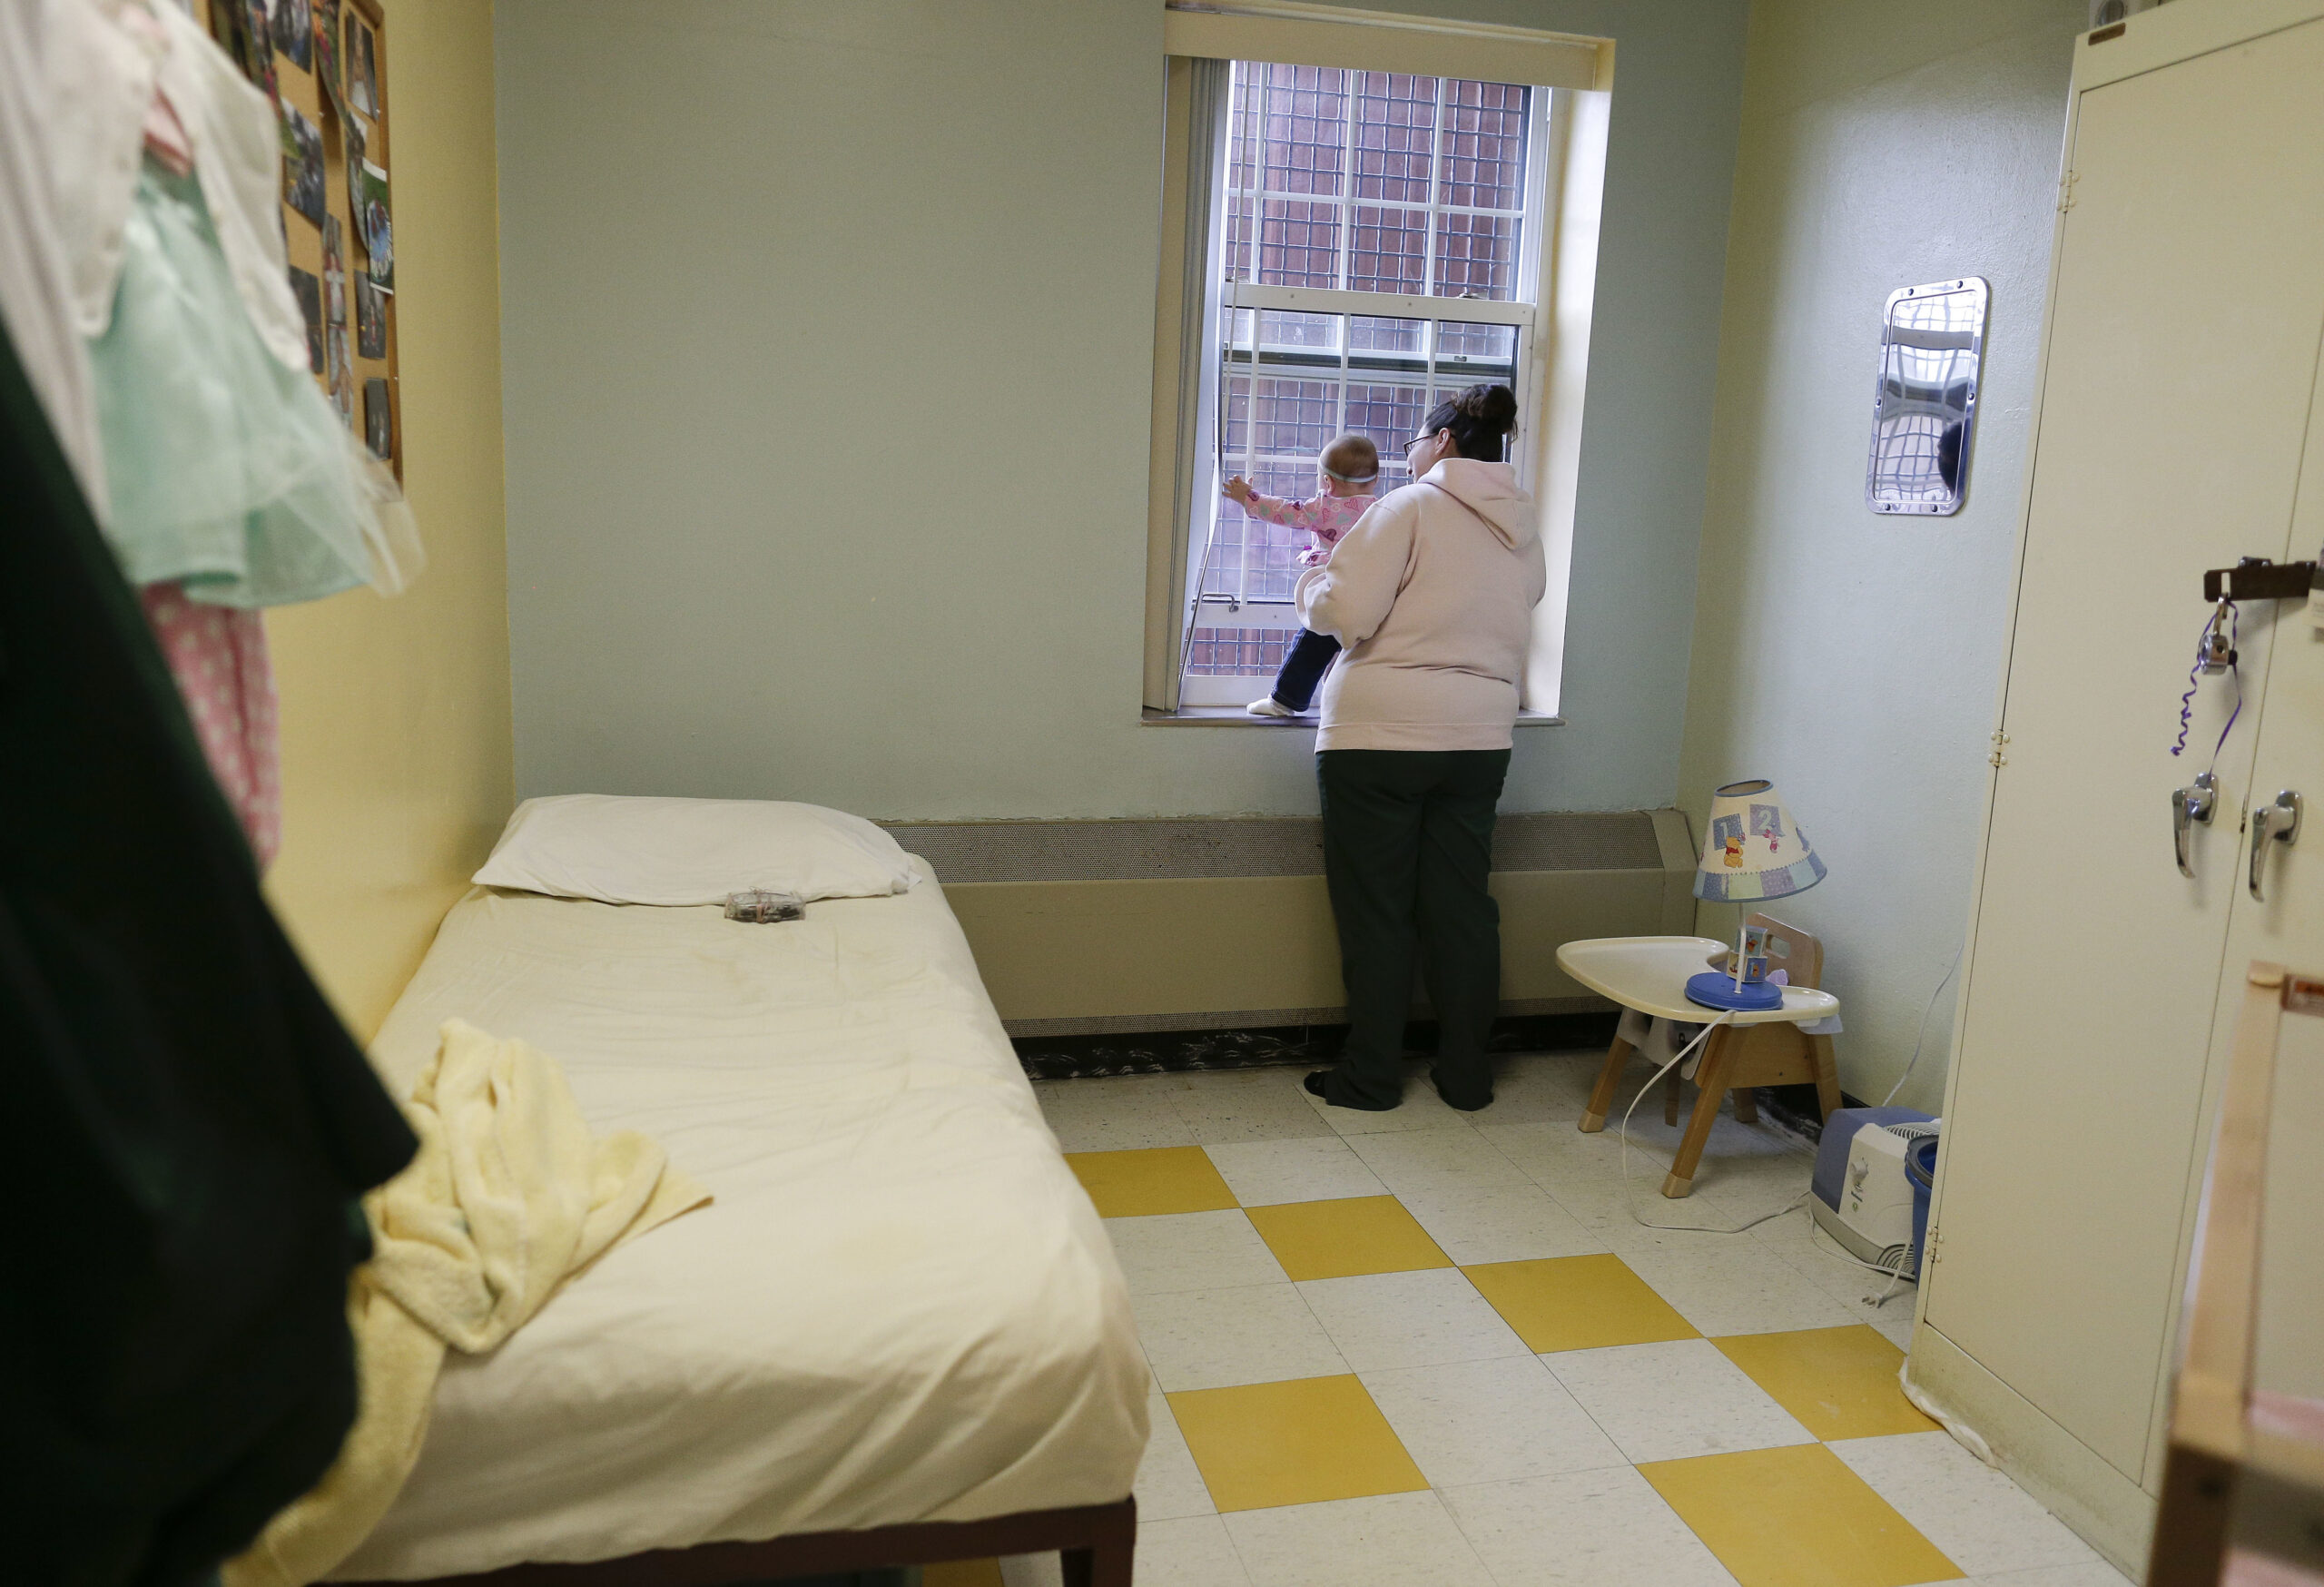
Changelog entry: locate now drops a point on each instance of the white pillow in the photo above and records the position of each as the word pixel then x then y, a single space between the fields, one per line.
pixel 691 851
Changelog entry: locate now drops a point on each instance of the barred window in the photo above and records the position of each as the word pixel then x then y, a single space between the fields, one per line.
pixel 1374 182
pixel 1341 184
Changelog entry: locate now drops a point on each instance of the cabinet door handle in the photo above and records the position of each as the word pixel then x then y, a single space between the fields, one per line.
pixel 2188 806
pixel 2279 821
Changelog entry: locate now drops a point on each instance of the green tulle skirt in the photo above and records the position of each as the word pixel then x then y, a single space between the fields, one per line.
pixel 226 470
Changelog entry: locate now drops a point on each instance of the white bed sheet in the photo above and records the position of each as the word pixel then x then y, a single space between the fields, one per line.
pixel 900 1307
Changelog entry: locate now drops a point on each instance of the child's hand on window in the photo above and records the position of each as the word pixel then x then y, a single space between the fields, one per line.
pixel 1239 488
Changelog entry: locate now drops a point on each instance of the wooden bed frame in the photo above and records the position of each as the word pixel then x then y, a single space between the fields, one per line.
pixel 1095 1542
pixel 2222 1474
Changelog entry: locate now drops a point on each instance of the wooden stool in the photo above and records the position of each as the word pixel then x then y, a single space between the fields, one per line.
pixel 1737 1058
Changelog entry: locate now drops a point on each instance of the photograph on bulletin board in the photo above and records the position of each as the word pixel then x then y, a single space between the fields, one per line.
pixel 379 423
pixel 362 68
pixel 294 33
pixel 341 373
pixel 370 319
pixel 302 163
pixel 309 290
pixel 242 29
pixel 334 272
pixel 326 71
pixel 352 140
pixel 379 230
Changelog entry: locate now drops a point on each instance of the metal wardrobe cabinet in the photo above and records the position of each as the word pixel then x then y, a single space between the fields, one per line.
pixel 2177 429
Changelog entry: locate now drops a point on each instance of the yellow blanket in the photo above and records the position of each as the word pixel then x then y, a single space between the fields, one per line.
pixel 508 1197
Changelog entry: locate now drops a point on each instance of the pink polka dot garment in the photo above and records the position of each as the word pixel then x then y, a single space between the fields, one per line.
pixel 218 656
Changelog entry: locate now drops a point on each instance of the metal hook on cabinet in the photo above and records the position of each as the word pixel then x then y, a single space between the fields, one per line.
pixel 2188 806
pixel 2279 821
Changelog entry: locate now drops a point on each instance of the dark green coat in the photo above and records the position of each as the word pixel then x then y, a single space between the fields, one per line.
pixel 185 1122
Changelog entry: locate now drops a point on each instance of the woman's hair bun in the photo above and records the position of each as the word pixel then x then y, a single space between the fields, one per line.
pixel 1493 408
pixel 1477 420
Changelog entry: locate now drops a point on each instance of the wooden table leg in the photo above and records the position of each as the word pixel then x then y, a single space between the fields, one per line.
pixel 1746 1104
pixel 1711 1074
pixel 1827 1075
pixel 1601 1098
pixel 1671 1090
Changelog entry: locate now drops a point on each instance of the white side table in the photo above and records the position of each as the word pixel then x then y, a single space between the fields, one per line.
pixel 1755 1048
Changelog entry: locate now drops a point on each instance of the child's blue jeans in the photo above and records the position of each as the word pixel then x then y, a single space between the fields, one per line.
pixel 1303 668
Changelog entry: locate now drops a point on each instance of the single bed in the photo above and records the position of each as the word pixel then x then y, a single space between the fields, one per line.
pixel 901 1315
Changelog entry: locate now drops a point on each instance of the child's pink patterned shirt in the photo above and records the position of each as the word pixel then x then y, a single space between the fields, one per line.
pixel 1326 518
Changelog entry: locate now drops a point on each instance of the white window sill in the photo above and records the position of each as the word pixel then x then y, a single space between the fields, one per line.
pixel 1237 717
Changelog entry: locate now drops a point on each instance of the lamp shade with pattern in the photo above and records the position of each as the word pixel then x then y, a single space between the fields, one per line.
pixel 1753 849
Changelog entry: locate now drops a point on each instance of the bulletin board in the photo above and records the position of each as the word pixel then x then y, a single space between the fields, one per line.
pixel 324 64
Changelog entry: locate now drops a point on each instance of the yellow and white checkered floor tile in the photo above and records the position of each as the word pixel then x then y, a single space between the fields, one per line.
pixel 1424 1347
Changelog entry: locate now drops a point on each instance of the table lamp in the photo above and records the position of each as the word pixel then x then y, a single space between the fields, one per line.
pixel 1753 850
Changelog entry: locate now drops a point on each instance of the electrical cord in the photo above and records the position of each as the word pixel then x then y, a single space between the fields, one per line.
pixel 1629 1202
pixel 1920 1033
pixel 1832 1249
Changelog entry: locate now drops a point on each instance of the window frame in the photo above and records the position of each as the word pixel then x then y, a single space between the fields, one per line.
pixel 1570 78
pixel 1525 310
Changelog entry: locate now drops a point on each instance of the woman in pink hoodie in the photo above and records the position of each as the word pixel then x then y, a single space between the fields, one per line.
pixel 1432 596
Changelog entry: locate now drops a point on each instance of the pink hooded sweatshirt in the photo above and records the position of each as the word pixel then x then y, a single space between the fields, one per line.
pixel 1432 595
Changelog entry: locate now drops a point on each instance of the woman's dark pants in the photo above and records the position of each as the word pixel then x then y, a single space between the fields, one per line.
pixel 1407 848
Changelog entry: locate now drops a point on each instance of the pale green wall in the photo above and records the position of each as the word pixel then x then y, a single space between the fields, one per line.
pixel 827 345
pixel 1853 659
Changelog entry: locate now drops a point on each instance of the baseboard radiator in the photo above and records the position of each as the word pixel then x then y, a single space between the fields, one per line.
pixel 1097 927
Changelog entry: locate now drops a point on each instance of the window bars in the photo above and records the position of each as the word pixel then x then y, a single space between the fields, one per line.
pixel 1372 242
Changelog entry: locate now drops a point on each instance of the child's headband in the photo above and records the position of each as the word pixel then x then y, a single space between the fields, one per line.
pixel 1351 478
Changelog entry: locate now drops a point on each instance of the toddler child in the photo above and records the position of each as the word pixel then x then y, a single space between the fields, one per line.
pixel 1347 470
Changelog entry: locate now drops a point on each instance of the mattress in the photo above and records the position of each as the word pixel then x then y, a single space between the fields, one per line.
pixel 901 1305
